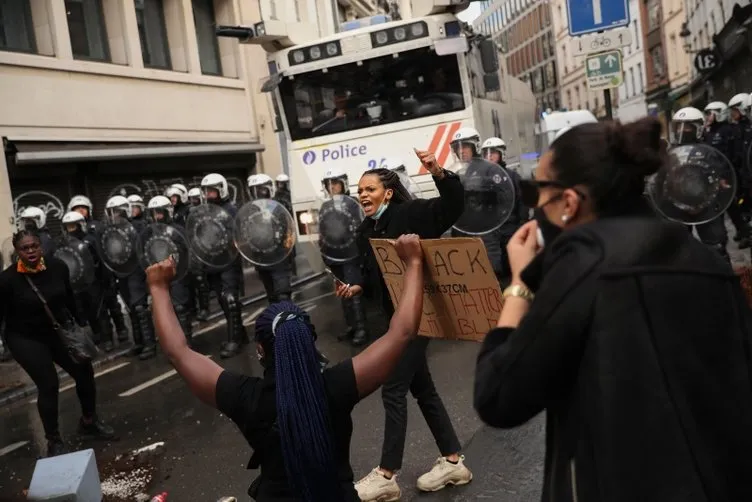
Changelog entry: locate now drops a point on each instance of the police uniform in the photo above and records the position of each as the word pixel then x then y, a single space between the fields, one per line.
pixel 199 285
pixel 136 294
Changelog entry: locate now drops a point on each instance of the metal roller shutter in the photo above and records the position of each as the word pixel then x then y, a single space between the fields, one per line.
pixel 50 195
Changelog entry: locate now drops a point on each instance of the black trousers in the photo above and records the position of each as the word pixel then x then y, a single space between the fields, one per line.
pixel 412 374
pixel 38 355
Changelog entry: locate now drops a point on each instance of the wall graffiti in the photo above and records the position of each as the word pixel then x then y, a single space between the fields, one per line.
pixel 148 188
pixel 52 206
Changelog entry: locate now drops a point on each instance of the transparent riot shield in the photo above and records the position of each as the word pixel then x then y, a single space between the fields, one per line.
pixel 209 232
pixel 489 197
pixel 264 232
pixel 697 185
pixel 77 256
pixel 339 219
pixel 159 242
pixel 118 243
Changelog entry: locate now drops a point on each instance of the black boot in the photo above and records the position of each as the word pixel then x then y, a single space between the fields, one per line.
pixel 183 313
pixel 202 291
pixel 138 337
pixel 236 334
pixel 55 446
pixel 360 337
pixel 119 321
pixel 96 429
pixel 347 309
pixel 147 332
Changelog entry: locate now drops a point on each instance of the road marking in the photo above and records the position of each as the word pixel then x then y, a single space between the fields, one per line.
pixel 12 447
pixel 149 383
pixel 250 319
pixel 96 375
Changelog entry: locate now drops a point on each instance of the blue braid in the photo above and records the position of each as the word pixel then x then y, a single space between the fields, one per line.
pixel 302 407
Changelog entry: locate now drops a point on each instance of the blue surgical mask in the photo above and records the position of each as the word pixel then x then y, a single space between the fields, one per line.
pixel 380 211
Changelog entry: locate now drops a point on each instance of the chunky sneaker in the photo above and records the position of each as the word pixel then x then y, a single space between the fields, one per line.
pixel 445 473
pixel 96 429
pixel 375 487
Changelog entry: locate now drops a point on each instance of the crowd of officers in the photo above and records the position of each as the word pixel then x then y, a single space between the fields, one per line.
pixel 191 294
pixel 728 129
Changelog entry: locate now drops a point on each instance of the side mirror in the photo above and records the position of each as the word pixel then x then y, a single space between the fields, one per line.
pixel 491 82
pixel 489 56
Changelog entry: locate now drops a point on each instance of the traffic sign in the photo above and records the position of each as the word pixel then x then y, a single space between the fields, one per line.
pixel 588 16
pixel 604 71
pixel 597 42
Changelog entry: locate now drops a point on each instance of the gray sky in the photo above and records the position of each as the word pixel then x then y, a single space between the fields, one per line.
pixel 468 15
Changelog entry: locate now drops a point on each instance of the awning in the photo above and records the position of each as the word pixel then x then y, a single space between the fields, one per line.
pixel 37 152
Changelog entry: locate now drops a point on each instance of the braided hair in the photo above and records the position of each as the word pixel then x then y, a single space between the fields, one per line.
pixel 391 179
pixel 285 332
pixel 25 232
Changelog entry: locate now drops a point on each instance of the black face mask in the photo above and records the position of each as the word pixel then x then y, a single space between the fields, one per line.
pixel 546 229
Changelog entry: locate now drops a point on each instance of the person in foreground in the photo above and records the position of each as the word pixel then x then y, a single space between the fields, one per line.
pixel 297 417
pixel 36 346
pixel 632 335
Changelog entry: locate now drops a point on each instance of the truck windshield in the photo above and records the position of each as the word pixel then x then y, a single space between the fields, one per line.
pixel 383 90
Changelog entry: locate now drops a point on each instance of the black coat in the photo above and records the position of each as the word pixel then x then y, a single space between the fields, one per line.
pixel 638 347
pixel 429 218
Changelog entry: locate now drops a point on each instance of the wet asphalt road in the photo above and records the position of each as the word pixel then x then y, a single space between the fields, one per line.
pixel 205 455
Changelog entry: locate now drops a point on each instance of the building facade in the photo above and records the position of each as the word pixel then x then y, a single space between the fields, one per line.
pixel 574 91
pixel 632 104
pixel 105 97
pixel 525 33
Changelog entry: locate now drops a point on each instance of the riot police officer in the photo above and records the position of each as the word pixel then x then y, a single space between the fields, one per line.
pixel 161 211
pixel 395 164
pixel 283 195
pixel 723 137
pixel 89 300
pixel 336 218
pixel 194 197
pixel 178 195
pixel 495 150
pixel 133 287
pixel 33 218
pixel 108 287
pixel 739 110
pixel 485 184
pixel 227 282
pixel 277 279
pixel 200 288
pixel 688 126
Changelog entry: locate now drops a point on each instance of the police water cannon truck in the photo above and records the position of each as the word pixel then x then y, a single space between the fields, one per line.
pixel 380 88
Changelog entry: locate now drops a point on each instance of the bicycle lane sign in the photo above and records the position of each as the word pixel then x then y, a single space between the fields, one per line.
pixel 604 70
pixel 602 41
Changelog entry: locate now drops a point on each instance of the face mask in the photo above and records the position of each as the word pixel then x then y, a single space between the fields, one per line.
pixel 380 210
pixel 547 231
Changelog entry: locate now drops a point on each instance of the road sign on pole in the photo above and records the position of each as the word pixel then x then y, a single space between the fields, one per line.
pixel 588 16
pixel 597 42
pixel 604 71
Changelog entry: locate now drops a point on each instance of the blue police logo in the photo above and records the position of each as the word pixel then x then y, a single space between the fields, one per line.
pixel 309 157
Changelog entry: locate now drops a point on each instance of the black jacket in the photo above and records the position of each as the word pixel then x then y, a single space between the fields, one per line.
pixel 429 218
pixel 638 347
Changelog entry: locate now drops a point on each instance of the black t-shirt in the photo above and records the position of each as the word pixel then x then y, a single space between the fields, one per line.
pixel 251 403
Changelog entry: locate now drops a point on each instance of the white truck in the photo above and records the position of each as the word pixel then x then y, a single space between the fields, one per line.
pixel 380 88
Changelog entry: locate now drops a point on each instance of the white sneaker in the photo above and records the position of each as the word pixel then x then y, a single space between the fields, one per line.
pixel 445 473
pixel 376 488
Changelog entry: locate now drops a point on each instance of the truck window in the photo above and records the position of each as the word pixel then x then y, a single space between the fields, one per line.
pixel 383 90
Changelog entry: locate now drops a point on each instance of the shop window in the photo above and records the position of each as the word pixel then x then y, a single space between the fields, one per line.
pixel 87 30
pixel 153 33
pixel 208 50
pixel 16 28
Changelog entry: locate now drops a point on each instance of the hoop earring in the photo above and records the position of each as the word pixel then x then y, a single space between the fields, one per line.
pixel 564 218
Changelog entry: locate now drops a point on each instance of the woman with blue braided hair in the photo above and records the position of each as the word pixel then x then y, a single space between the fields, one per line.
pixel 297 418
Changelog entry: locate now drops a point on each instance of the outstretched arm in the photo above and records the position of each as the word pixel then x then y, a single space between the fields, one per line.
pixel 198 371
pixel 374 365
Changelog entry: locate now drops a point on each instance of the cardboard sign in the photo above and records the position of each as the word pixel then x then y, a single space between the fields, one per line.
pixel 461 295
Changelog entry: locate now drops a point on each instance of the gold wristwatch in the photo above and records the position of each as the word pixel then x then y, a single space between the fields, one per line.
pixel 518 291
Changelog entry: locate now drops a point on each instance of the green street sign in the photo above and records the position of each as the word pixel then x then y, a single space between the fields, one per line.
pixel 604 70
